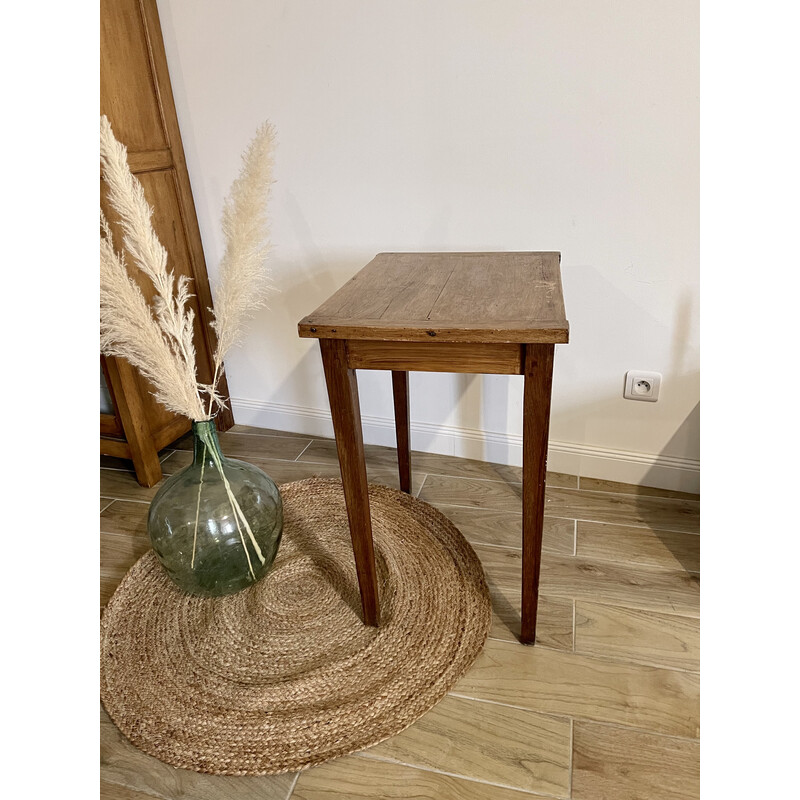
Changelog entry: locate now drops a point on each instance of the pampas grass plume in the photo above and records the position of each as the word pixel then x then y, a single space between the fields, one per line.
pixel 158 339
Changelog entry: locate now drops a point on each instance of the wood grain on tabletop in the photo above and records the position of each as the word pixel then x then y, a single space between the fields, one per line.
pixel 456 297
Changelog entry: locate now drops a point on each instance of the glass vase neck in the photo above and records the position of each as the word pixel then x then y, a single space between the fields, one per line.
pixel 206 442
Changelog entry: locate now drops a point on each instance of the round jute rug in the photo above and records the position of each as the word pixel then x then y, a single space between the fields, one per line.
pixel 284 674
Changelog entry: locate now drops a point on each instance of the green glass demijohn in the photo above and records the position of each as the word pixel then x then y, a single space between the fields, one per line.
pixel 216 525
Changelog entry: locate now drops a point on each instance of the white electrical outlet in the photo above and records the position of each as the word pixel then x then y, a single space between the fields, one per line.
pixel 641 385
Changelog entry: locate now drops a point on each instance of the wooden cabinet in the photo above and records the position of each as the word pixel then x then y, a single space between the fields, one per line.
pixel 136 96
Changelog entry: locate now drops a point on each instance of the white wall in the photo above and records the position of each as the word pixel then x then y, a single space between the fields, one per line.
pixel 566 125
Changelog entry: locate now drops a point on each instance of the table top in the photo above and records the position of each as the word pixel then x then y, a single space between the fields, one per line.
pixel 449 297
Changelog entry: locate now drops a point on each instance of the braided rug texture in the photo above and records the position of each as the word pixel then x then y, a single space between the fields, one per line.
pixel 284 675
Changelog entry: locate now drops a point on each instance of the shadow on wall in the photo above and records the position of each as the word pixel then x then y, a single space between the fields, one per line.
pixel 684 548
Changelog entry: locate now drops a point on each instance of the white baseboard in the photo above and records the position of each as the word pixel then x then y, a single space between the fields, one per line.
pixel 625 466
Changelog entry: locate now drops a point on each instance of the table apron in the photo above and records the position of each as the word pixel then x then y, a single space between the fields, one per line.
pixel 499 358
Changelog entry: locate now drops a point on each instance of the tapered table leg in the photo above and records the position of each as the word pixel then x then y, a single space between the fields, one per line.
pixel 535 427
pixel 402 427
pixel 343 396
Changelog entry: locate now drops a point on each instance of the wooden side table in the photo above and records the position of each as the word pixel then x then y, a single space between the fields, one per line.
pixel 496 313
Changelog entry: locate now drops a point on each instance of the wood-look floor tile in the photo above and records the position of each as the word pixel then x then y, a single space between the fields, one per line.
pixel 504 528
pixel 248 445
pixel 324 450
pixel 122 763
pixel 125 517
pixel 487 742
pixel 632 586
pixel 282 471
pixel 267 432
pixel 358 778
pixel 105 502
pixel 112 462
pixel 114 791
pixel 586 687
pixel 632 545
pixel 654 512
pixel 661 513
pixel 600 485
pixel 554 620
pixel 123 486
pixel 618 764
pixel 495 495
pixel 118 553
pixel 643 636
pixel 108 585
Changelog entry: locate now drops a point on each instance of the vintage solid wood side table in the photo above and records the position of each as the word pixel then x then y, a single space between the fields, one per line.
pixel 497 313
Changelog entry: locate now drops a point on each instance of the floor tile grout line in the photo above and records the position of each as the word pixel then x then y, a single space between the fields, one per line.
pixel 646 566
pixel 638 495
pixel 130 500
pixel 127 534
pixel 589 720
pixel 663 568
pixel 304 449
pixel 599 657
pixel 548 714
pixel 643 526
pixel 574 631
pixel 419 491
pixel 294 783
pixel 516 549
pixel 575 539
pixel 616 605
pixel 617 725
pixel 571 750
pixel 109 504
pixel 384 760
pixel 168 455
pixel 276 435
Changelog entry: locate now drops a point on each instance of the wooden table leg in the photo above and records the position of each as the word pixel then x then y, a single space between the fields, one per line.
pixel 535 427
pixel 343 396
pixel 402 427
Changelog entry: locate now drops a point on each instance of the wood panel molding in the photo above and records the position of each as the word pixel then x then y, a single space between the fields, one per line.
pixel 136 96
